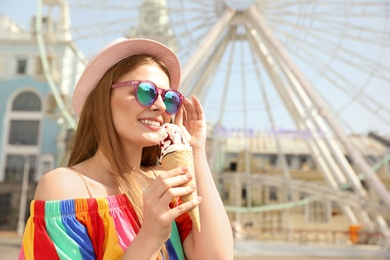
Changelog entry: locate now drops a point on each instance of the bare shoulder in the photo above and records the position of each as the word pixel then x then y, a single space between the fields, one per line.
pixel 61 184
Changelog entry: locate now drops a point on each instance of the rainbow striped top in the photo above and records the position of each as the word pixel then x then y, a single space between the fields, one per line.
pixel 89 228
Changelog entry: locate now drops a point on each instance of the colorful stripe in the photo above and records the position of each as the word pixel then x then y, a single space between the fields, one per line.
pixel 88 228
pixel 125 221
pixel 174 240
pixel 79 243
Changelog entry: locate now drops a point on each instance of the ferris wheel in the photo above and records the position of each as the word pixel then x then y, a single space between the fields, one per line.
pixel 317 66
pixel 341 48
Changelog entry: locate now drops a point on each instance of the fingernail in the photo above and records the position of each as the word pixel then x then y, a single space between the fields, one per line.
pixel 199 199
pixel 192 186
pixel 184 168
pixel 189 175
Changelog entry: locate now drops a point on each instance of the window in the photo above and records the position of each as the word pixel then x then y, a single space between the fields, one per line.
pixel 21 66
pixel 26 101
pixel 272 159
pixel 288 158
pixel 233 166
pixel 14 168
pixel 318 212
pixel 273 193
pixel 5 208
pixel 46 165
pixel 22 137
pixel 24 132
pixel 244 193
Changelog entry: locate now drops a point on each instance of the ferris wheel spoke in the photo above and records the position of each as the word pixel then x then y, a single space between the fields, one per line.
pixel 342 54
pixel 318 36
pixel 347 84
pixel 354 94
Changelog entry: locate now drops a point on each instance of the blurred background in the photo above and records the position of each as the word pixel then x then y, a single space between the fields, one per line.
pixel 296 94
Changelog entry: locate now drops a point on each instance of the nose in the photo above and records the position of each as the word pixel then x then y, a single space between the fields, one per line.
pixel 159 105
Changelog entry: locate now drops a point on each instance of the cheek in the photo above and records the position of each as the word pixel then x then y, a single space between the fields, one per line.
pixel 123 111
pixel 117 110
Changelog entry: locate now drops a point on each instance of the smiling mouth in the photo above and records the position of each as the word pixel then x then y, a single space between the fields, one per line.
pixel 150 122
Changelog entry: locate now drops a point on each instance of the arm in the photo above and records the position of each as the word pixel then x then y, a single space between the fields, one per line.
pixel 216 236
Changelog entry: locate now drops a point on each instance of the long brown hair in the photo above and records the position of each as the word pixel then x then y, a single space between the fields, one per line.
pixel 96 129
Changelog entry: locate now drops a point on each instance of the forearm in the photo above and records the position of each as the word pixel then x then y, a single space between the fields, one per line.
pixel 216 235
pixel 142 247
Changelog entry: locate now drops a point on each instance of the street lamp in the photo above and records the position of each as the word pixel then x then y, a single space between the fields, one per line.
pixel 23 196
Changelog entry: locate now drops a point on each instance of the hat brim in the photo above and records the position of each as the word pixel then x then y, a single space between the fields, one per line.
pixel 116 51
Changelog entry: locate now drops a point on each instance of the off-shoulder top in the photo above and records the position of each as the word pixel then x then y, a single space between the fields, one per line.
pixel 89 228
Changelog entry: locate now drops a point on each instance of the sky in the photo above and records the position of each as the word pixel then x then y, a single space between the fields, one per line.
pixel 21 11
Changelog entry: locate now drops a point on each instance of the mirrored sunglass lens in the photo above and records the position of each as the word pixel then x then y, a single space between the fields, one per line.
pixel 172 102
pixel 146 94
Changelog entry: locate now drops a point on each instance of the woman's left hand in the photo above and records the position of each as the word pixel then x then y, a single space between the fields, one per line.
pixel 191 120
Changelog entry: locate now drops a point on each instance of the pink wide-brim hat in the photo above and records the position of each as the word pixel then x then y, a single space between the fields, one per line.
pixel 116 51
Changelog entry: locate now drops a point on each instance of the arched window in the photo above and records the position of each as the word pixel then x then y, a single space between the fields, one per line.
pixel 27 101
pixel 25 131
pixel 24 121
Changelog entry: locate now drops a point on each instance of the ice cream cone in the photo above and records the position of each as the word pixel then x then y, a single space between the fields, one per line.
pixel 184 158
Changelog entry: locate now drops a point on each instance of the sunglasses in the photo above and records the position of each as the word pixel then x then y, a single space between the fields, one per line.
pixel 146 93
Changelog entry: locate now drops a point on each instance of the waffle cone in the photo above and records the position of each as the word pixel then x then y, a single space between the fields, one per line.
pixel 184 158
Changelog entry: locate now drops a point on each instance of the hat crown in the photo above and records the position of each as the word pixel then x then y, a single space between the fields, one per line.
pixel 116 51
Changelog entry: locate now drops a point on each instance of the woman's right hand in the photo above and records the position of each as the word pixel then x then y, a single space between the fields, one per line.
pixel 157 215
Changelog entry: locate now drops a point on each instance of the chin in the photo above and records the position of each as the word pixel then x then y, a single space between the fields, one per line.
pixel 151 141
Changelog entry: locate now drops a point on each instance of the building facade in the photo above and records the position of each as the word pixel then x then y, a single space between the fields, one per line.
pixel 35 89
pixel 32 129
pixel 277 192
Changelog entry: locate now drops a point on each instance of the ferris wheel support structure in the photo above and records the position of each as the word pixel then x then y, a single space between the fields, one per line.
pixel 308 111
pixel 315 144
pixel 303 121
pixel 323 111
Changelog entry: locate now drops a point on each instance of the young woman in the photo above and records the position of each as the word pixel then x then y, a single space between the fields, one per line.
pixel 113 200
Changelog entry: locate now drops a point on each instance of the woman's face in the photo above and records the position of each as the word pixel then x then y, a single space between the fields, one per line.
pixel 138 125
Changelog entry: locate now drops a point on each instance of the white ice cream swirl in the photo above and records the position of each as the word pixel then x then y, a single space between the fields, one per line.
pixel 172 139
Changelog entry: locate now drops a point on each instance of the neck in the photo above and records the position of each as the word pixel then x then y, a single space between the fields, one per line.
pixel 101 161
pixel 102 169
pixel 133 159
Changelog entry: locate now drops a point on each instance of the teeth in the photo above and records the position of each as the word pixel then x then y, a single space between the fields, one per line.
pixel 150 122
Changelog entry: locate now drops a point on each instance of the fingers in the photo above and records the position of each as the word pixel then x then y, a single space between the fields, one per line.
pixel 166 187
pixel 184 207
pixel 178 120
pixel 172 194
pixel 157 214
pixel 180 117
pixel 194 109
pixel 169 185
pixel 191 110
